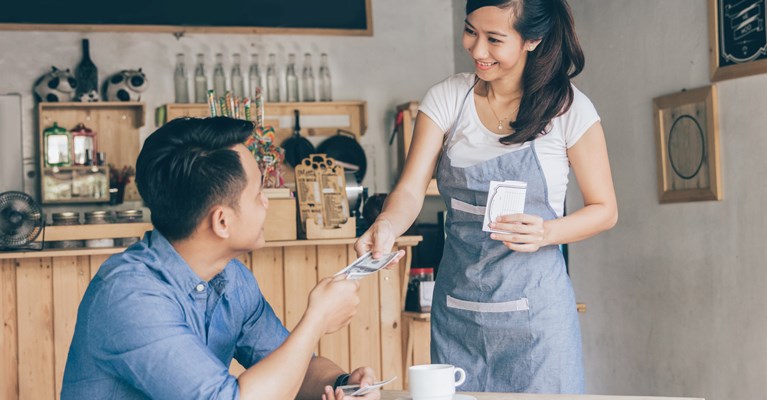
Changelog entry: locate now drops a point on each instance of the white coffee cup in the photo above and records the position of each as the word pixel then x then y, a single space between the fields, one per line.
pixel 434 381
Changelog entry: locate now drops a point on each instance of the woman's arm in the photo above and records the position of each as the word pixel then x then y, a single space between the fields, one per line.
pixel 588 158
pixel 404 203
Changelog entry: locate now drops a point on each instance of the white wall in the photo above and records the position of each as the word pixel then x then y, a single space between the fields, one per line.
pixel 409 51
pixel 676 293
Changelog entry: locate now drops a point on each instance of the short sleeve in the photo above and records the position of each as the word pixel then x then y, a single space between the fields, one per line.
pixel 442 102
pixel 579 118
pixel 139 335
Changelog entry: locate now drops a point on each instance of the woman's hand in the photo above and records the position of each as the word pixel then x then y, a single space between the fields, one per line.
pixel 379 239
pixel 526 233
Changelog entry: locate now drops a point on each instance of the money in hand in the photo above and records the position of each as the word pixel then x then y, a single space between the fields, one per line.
pixel 366 265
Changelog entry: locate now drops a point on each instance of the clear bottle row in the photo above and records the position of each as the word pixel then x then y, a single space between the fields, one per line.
pixel 311 88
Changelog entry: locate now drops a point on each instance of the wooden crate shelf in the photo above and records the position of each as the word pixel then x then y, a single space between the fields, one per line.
pixel 317 118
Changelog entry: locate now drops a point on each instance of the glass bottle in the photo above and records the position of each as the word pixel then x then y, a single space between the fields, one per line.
pixel 219 78
pixel 58 146
pixel 272 83
pixel 254 76
pixel 291 80
pixel 200 81
pixel 326 89
pixel 238 83
pixel 180 80
pixel 87 74
pixel 308 79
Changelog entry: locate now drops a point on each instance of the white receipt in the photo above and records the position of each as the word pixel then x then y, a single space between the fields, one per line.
pixel 504 198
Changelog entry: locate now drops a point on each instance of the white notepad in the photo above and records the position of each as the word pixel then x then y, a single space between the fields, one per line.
pixel 504 198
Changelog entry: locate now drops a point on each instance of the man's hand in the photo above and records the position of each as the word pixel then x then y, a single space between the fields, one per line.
pixel 363 376
pixel 333 303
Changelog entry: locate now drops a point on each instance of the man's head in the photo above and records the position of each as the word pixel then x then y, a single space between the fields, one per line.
pixel 196 173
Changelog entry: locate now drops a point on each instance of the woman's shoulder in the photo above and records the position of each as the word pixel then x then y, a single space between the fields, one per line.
pixel 458 83
pixel 581 102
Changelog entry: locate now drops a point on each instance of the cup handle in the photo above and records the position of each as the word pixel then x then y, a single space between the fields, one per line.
pixel 461 372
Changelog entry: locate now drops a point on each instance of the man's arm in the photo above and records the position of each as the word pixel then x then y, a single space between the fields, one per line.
pixel 332 304
pixel 321 373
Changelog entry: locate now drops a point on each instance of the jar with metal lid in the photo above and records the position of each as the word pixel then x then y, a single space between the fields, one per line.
pixel 97 218
pixel 127 217
pixel 63 219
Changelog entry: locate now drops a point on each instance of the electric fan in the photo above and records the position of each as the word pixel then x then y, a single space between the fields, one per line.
pixel 21 222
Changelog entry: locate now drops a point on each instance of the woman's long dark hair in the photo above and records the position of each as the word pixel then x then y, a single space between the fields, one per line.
pixel 557 59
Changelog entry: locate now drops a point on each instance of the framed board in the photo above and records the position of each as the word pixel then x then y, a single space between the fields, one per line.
pixel 737 38
pixel 687 136
pixel 329 17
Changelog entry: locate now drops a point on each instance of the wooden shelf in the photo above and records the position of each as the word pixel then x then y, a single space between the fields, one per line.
pixel 54 233
pixel 116 125
pixel 317 118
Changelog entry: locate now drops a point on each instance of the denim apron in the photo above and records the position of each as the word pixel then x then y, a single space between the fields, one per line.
pixel 507 318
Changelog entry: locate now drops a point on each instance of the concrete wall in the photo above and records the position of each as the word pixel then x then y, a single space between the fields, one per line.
pixel 676 292
pixel 410 50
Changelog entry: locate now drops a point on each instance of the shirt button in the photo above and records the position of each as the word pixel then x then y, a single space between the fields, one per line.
pixel 200 287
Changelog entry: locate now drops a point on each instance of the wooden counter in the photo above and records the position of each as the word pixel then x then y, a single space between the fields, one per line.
pixel 397 395
pixel 40 292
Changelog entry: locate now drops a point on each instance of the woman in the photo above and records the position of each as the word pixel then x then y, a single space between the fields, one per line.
pixel 504 309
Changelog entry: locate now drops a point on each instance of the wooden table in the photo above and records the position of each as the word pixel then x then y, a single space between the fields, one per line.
pixel 398 394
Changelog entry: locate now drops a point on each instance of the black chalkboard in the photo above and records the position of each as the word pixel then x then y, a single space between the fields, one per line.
pixel 738 37
pixel 337 16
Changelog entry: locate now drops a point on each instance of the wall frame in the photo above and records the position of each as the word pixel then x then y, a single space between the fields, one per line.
pixel 298 17
pixel 687 138
pixel 737 38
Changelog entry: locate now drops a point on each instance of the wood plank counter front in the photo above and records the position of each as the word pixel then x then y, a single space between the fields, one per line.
pixel 41 291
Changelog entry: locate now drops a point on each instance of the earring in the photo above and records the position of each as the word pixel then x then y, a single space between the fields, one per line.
pixel 530 48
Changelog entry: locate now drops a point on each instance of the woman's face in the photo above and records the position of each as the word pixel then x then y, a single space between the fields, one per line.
pixel 496 47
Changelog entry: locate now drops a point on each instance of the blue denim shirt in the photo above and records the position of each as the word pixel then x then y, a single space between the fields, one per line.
pixel 149 327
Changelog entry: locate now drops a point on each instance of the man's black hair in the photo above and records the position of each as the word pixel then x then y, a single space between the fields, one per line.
pixel 186 167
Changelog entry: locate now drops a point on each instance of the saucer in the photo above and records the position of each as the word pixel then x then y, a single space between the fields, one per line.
pixel 456 396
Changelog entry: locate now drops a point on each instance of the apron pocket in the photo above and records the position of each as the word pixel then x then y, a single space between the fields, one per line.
pixel 506 306
pixel 459 205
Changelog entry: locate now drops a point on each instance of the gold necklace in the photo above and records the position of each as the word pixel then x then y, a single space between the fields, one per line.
pixel 500 121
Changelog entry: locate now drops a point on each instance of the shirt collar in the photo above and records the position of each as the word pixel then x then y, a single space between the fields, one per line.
pixel 175 269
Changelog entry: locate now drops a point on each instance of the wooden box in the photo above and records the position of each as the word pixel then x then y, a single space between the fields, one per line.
pixel 280 221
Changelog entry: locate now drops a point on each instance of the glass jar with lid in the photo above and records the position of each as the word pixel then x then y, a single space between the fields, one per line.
pixel 83 145
pixel 127 217
pixel 66 219
pixel 57 143
pixel 97 218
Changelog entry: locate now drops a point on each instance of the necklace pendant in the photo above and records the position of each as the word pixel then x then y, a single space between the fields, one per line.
pixel 500 125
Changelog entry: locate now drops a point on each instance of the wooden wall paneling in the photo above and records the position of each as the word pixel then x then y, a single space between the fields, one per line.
pixel 96 261
pixel 9 356
pixel 300 277
pixel 71 276
pixel 365 330
pixel 34 289
pixel 269 272
pixel 391 326
pixel 334 346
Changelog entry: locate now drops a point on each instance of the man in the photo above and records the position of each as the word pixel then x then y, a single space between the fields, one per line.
pixel 163 319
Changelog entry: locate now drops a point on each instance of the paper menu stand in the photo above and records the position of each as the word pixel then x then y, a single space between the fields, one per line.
pixel 323 207
pixel 504 198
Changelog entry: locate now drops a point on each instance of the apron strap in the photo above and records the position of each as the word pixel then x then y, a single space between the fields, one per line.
pixel 460 113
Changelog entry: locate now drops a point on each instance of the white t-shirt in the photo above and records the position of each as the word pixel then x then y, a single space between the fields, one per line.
pixel 473 143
